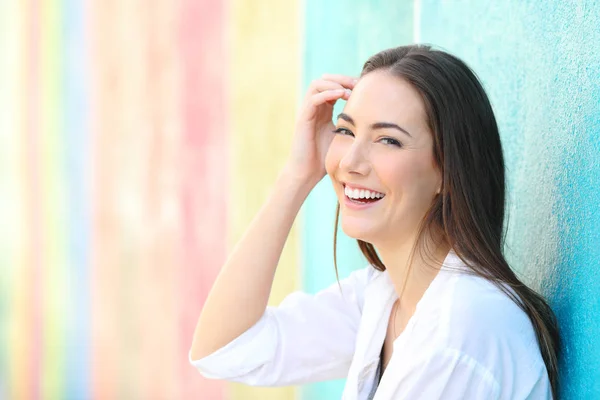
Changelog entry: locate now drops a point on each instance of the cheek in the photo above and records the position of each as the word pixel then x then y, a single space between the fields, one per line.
pixel 333 156
pixel 412 176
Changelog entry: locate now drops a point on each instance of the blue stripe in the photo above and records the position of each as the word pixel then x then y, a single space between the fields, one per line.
pixel 78 172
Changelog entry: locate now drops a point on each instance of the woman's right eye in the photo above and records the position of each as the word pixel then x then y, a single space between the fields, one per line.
pixel 344 131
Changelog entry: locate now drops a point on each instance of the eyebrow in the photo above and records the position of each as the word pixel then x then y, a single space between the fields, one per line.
pixel 377 125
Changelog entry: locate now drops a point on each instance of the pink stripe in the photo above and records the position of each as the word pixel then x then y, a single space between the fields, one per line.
pixel 205 192
pixel 35 257
pixel 158 328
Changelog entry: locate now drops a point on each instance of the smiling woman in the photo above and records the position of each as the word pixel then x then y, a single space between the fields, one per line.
pixel 371 151
pixel 417 166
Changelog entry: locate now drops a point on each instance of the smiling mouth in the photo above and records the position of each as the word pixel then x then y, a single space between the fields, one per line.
pixel 362 196
pixel 362 201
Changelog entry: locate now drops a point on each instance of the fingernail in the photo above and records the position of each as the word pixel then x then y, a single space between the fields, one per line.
pixel 348 92
pixel 355 81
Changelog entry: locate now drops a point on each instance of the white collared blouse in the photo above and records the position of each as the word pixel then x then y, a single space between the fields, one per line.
pixel 466 340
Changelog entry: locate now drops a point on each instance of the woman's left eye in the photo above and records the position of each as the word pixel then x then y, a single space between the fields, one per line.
pixel 343 131
pixel 391 141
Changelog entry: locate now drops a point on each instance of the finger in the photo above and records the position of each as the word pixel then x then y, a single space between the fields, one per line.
pixel 344 80
pixel 321 85
pixel 345 96
pixel 329 96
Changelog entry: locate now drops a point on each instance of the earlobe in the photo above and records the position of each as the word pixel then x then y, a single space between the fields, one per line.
pixel 440 184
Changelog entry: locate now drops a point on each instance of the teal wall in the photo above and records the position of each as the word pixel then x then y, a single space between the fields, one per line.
pixel 540 63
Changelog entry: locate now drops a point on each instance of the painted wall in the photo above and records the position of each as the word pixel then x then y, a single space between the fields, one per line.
pixel 139 138
pixel 540 62
pixel 105 253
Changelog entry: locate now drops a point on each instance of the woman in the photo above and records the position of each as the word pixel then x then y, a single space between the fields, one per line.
pixel 416 162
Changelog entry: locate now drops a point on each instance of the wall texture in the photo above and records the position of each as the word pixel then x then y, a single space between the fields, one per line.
pixel 540 63
pixel 139 138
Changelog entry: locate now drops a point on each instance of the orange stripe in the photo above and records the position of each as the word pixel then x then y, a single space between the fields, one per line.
pixel 107 129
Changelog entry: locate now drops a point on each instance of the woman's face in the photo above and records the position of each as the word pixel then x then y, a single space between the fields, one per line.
pixel 381 161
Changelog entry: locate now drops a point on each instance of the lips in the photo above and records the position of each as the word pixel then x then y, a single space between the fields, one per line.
pixel 359 196
pixel 357 192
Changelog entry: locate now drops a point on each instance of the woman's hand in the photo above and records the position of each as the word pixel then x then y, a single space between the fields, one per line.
pixel 313 133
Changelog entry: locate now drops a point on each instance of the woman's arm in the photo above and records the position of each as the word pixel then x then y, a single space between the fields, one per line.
pixel 239 296
pixel 307 338
pixel 241 291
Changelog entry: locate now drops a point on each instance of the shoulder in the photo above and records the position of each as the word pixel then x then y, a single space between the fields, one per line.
pixel 484 325
pixel 478 307
pixel 361 278
pixel 348 291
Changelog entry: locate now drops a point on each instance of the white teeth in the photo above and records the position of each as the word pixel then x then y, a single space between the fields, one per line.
pixel 362 193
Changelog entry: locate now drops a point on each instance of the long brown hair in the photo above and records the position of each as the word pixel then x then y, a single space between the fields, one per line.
pixel 468 214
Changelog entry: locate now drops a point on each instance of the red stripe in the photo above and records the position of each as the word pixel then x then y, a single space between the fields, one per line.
pixel 204 163
pixel 34 259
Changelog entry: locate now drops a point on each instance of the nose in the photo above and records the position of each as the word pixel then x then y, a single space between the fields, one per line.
pixel 356 160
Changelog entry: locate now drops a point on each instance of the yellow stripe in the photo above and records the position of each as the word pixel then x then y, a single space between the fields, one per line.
pixel 265 69
pixel 54 218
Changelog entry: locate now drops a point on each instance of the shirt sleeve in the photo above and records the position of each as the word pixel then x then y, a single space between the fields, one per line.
pixel 307 338
pixel 445 374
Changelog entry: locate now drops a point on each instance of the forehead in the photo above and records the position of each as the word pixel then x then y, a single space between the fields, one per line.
pixel 382 97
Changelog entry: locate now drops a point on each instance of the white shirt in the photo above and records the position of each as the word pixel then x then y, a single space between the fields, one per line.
pixel 466 340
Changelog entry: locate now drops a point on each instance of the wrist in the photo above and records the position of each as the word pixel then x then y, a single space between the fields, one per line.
pixel 298 179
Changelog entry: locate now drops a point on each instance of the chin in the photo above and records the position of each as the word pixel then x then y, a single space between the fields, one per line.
pixel 358 232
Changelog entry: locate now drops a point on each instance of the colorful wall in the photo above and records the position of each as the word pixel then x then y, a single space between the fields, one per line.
pixel 138 139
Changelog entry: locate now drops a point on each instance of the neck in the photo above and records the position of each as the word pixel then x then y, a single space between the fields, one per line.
pixel 412 277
